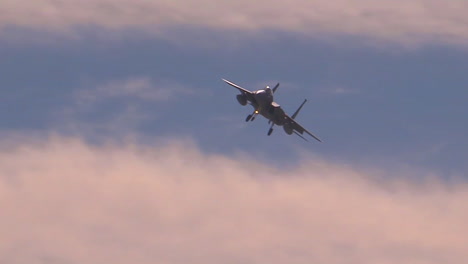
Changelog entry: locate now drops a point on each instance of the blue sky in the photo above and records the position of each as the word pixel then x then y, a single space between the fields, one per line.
pixel 388 105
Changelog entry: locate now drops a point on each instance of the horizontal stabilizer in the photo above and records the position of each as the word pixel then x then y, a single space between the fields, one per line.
pixel 295 132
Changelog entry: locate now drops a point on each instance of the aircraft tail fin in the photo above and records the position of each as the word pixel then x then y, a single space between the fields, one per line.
pixel 276 87
pixel 299 109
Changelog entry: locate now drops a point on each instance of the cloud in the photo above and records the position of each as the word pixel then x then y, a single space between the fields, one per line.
pixel 396 21
pixel 142 88
pixel 118 107
pixel 65 201
pixel 341 90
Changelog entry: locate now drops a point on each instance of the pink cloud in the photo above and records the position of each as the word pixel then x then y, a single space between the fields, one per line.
pixel 405 22
pixel 64 200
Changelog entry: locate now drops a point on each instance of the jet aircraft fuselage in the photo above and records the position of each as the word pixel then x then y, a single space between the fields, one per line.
pixel 263 104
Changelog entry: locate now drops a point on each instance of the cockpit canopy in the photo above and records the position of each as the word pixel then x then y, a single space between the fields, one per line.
pixel 266 90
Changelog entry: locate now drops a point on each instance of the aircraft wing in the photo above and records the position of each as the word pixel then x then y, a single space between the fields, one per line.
pixel 299 129
pixel 243 90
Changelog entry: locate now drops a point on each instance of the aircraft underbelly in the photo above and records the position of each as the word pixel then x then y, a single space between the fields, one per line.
pixel 274 113
pixel 263 100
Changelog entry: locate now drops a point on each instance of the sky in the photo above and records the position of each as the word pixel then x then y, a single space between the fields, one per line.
pixel 121 143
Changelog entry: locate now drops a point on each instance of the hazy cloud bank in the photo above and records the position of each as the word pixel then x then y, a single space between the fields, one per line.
pixel 395 21
pixel 64 201
pixel 118 106
pixel 142 88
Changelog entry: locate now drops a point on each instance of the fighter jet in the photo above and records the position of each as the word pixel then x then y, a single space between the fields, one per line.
pixel 263 104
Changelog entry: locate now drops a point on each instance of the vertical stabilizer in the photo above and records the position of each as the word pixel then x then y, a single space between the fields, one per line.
pixel 299 109
pixel 275 88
